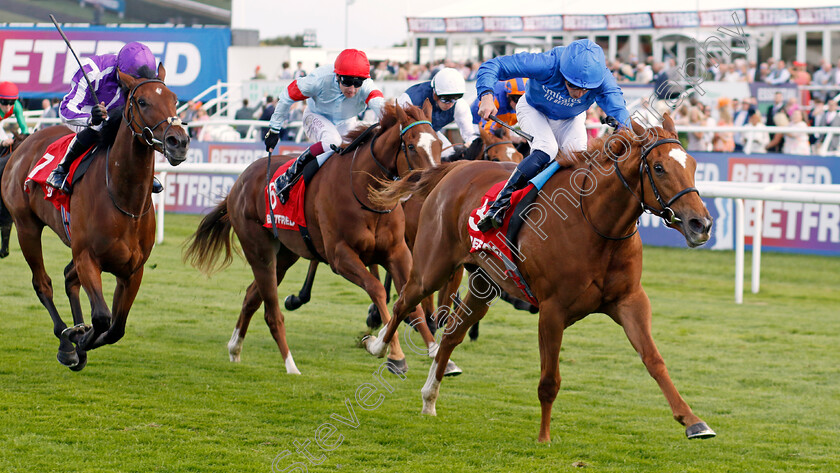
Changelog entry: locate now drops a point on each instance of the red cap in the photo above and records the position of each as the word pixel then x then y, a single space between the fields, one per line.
pixel 8 90
pixel 352 62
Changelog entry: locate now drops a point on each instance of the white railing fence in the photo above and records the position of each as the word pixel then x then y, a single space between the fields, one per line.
pixel 739 191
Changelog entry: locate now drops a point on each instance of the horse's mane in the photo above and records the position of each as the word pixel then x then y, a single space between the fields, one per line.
pixel 389 119
pixel 597 150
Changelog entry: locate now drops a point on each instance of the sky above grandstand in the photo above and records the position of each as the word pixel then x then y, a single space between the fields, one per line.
pixel 382 23
pixel 372 23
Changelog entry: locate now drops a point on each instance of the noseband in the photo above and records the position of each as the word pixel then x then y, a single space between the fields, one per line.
pixel 146 135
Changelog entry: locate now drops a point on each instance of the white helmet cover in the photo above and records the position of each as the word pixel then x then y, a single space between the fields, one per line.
pixel 448 81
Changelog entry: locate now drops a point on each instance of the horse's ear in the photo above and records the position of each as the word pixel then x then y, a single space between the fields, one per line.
pixel 638 129
pixel 668 123
pixel 401 115
pixel 485 136
pixel 161 72
pixel 427 109
pixel 126 80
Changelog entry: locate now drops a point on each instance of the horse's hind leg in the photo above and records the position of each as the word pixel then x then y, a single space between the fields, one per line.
pixel 465 314
pixel 250 304
pixel 633 313
pixel 5 233
pixel 29 237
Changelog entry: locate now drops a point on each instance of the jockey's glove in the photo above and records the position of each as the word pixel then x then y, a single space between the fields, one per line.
pixel 611 121
pixel 98 114
pixel 271 139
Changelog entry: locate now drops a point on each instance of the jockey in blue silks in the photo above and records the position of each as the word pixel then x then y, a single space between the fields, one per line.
pixel 445 93
pixel 564 82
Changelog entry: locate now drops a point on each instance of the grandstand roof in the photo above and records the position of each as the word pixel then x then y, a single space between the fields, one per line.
pixel 467 8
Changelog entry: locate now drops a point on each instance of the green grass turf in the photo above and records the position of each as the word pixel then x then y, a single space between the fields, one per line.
pixel 764 375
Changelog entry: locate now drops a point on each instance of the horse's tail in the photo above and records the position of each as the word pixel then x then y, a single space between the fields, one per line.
pixel 213 235
pixel 417 183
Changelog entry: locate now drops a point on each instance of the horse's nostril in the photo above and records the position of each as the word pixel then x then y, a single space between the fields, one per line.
pixel 697 226
pixel 172 142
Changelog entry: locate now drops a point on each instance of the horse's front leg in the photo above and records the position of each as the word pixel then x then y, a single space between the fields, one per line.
pixel 71 288
pixel 90 276
pixel 633 313
pixel 346 262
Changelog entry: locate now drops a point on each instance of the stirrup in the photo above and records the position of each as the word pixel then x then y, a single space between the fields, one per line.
pixel 492 219
pixel 58 180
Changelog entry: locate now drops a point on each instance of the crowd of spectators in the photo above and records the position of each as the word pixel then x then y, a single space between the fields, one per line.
pixel 812 108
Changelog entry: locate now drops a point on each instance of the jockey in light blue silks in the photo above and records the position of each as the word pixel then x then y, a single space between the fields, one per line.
pixel 335 96
pixel 564 82
pixel 79 111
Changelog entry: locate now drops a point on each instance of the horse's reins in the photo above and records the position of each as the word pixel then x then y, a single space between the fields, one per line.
pixel 388 173
pixel 666 213
pixel 146 135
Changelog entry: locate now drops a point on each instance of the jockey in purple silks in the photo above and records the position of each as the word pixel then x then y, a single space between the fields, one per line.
pixel 79 111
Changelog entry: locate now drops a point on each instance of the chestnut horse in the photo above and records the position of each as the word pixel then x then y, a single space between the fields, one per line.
pixel 492 146
pixel 112 227
pixel 580 255
pixel 347 231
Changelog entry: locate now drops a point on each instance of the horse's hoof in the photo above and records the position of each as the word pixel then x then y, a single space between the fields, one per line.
pixel 452 369
pixel 4 253
pixel 398 367
pixel 68 358
pixel 699 431
pixel 74 333
pixel 374 320
pixel 292 302
pixel 82 360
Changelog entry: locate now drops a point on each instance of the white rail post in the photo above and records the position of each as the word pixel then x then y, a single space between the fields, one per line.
pixel 756 249
pixel 739 251
pixel 161 210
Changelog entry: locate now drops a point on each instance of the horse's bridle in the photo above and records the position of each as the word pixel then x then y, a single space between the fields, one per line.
pixel 146 135
pixel 391 176
pixel 485 154
pixel 666 213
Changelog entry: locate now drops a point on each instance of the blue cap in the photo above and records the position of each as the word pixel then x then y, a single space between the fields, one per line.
pixel 582 63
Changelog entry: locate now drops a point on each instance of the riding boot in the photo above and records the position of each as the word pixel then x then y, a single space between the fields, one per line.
pixel 496 213
pixel 81 142
pixel 284 183
pixel 157 187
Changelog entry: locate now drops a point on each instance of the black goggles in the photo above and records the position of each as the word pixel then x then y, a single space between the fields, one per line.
pixel 350 81
pixel 574 87
pixel 450 98
pixel 7 101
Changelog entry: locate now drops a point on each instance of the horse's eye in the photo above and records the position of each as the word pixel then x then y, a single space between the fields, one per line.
pixel 659 169
pixel 141 102
pixel 411 147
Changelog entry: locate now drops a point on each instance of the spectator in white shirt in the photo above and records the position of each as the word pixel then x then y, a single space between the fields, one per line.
pixel 755 141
